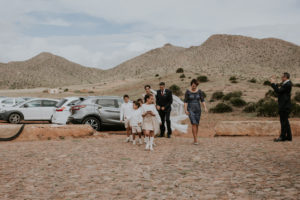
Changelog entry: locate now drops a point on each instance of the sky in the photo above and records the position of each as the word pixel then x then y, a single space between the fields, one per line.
pixel 105 33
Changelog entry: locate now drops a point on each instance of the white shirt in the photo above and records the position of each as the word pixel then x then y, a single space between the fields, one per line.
pixel 285 82
pixel 151 107
pixel 126 110
pixel 136 117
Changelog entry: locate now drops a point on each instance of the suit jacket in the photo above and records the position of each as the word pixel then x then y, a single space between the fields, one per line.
pixel 284 96
pixel 165 100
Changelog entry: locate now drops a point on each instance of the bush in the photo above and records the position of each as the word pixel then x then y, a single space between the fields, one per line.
pixel 156 75
pixel 91 92
pixel 270 93
pixel 234 81
pixel 66 90
pixel 221 108
pixel 253 80
pixel 267 83
pixel 202 79
pixel 297 85
pixel 232 78
pixel 175 90
pixel 182 76
pixel 250 108
pixel 295 109
pixel 204 94
pixel 297 97
pixel 217 95
pixel 237 102
pixel 230 95
pixel 267 108
pixel 179 70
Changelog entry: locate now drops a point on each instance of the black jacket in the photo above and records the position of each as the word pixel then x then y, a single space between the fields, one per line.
pixel 284 96
pixel 164 101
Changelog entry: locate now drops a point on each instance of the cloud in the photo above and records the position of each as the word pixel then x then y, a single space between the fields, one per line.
pixel 105 33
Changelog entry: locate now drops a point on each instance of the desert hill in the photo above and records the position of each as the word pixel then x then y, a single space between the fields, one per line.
pixel 46 70
pixel 218 56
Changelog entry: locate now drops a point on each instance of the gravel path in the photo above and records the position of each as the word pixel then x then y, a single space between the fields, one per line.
pixel 108 168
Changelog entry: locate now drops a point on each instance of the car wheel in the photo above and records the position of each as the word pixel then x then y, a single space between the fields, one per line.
pixel 14 118
pixel 93 122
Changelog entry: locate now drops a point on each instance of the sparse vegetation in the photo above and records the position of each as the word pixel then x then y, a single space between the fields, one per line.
pixel 45 91
pixel 77 91
pixel 297 96
pixel 233 78
pixel 296 84
pixel 250 108
pixel 202 79
pixel 295 109
pixel 230 95
pixel 182 76
pixel 179 70
pixel 217 95
pixel 221 108
pixel 66 90
pixel 267 107
pixel 271 93
pixel 237 102
pixel 253 80
pixel 175 90
pixel 267 83
pixel 91 92
pixel 156 75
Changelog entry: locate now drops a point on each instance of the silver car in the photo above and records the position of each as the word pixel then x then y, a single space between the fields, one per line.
pixel 97 112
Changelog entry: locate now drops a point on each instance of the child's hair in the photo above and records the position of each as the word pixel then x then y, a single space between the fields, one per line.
pixel 140 101
pixel 137 103
pixel 147 86
pixel 147 96
pixel 125 96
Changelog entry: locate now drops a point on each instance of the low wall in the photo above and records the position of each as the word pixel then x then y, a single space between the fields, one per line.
pixel 253 128
pixel 45 131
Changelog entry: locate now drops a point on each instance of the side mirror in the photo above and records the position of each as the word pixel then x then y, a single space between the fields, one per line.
pixel 25 106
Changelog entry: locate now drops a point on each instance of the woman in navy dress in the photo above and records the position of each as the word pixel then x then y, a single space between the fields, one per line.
pixel 192 106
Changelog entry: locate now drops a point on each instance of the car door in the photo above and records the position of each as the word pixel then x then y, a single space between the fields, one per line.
pixel 48 108
pixel 109 110
pixel 31 110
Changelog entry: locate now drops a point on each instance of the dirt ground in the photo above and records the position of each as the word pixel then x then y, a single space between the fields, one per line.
pixel 109 168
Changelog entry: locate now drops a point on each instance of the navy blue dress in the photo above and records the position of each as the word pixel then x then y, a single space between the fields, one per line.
pixel 193 100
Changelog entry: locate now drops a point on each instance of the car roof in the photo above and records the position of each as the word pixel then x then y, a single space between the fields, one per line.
pixel 104 97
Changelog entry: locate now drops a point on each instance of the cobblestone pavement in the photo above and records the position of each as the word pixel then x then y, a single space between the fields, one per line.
pixel 108 168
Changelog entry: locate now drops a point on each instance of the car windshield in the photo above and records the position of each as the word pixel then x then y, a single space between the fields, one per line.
pixel 61 102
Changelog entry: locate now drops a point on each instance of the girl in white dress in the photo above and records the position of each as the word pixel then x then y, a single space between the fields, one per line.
pixel 151 120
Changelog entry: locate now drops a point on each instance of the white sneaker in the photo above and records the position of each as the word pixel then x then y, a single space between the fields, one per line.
pixel 151 143
pixel 127 139
pixel 133 142
pixel 140 141
pixel 147 146
pixel 131 139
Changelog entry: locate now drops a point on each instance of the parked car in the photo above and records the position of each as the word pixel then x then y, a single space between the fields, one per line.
pixel 38 109
pixel 8 102
pixel 97 112
pixel 62 110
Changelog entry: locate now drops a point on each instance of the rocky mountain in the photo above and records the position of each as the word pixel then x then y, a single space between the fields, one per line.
pixel 218 56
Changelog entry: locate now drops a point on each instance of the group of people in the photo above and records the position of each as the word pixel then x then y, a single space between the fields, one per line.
pixel 147 117
pixel 151 115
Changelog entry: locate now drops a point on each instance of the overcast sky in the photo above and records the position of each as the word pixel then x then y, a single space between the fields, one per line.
pixel 104 33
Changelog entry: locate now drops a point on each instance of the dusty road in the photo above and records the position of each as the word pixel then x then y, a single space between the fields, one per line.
pixel 108 168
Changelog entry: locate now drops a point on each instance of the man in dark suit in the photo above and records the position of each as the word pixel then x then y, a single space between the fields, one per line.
pixel 284 101
pixel 164 100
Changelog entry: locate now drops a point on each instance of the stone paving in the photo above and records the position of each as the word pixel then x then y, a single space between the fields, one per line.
pixel 108 168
